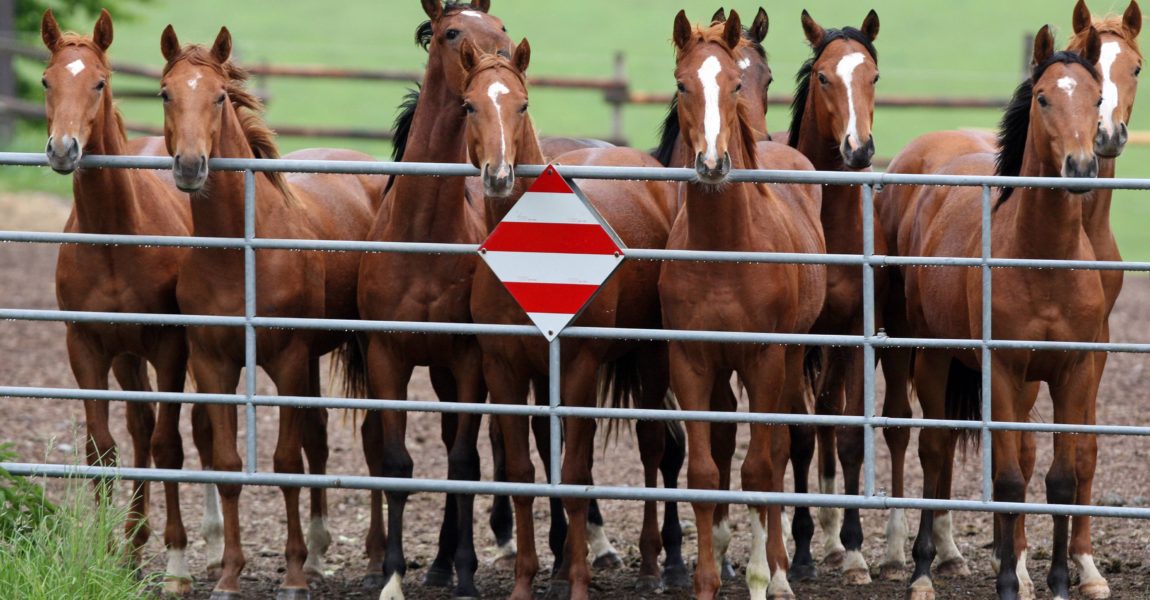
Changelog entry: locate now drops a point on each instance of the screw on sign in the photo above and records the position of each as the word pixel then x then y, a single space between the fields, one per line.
pixel 553 251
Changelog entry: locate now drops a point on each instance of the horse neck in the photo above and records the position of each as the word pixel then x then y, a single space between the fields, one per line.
pixel 1096 210
pixel 527 152
pixel 840 202
pixel 1047 223
pixel 105 201
pixel 218 208
pixel 432 208
pixel 721 218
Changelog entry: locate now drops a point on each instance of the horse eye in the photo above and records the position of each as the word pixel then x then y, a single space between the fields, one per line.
pixel 504 28
pixel 221 99
pixel 1138 70
pixel 1042 101
pixel 523 109
pixel 1099 101
pixel 823 79
pixel 164 96
pixel 100 85
pixel 469 108
pixel 738 88
pixel 44 82
pixel 451 34
pixel 876 78
pixel 682 88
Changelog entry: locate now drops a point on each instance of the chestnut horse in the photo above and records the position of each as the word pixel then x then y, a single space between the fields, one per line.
pixel 719 131
pixel 500 136
pixel 208 113
pixel 1048 131
pixel 82 119
pixel 832 118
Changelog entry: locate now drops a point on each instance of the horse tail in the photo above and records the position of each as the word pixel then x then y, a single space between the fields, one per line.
pixel 620 385
pixel 813 369
pixel 351 359
pixel 964 400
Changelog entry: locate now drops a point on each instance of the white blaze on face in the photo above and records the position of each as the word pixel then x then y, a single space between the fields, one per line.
pixel 1110 52
pixel 846 71
pixel 712 120
pixel 496 90
pixel 1067 84
pixel 76 67
pixel 194 82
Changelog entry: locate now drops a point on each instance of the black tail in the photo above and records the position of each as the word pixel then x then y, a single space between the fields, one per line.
pixel 351 359
pixel 620 386
pixel 813 368
pixel 964 400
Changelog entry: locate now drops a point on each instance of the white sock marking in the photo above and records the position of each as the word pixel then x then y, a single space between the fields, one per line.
pixel 212 526
pixel 1020 571
pixel 780 587
pixel 76 67
pixel 943 532
pixel 712 120
pixel 177 565
pixel 1110 52
pixel 1067 84
pixel 393 590
pixel 496 90
pixel 896 536
pixel 846 72
pixel 597 542
pixel 721 538
pixel 1087 572
pixel 758 571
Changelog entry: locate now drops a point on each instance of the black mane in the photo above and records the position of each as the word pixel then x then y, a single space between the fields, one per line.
pixel 402 129
pixel 669 130
pixel 803 79
pixel 1015 123
pixel 424 32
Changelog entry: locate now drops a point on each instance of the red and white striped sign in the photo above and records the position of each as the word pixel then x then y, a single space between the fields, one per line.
pixel 553 252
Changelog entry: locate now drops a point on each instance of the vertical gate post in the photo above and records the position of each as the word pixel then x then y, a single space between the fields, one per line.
pixel 554 386
pixel 987 474
pixel 868 340
pixel 249 314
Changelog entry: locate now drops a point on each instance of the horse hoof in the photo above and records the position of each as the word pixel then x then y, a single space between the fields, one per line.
pixel 1095 589
pixel 648 584
pixel 177 586
pixel 374 581
pixel 607 562
pixel 781 596
pixel 856 577
pixel 293 594
pixel 218 595
pixel 955 567
pixel 313 574
pixel 913 594
pixel 804 572
pixel 676 577
pixel 834 560
pixel 727 570
pixel 892 571
pixel 558 590
pixel 1026 591
pixel 438 577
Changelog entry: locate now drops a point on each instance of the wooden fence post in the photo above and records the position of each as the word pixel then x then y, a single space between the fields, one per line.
pixel 7 70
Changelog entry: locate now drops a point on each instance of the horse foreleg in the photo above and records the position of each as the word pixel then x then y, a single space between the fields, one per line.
pixel 557 532
pixel 463 465
pixel 829 401
pixel 801 451
pixel 372 433
pixel 292 378
pixel 1092 585
pixel 896 405
pixel 212 525
pixel 502 520
pixel 930 378
pixel 441 572
pixel 579 387
pixel 90 367
pixel 723 438
pixel 850 452
pixel 132 373
pixel 168 450
pixel 675 574
pixel 1073 400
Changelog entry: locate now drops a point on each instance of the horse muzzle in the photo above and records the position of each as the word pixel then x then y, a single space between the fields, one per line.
pixel 1110 144
pixel 713 172
pixel 857 157
pixel 1080 167
pixel 190 174
pixel 498 183
pixel 64 154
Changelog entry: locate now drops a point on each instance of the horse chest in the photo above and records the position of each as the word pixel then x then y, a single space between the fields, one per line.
pixel 108 280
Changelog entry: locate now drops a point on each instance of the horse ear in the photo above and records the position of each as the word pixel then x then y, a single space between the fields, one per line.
pixel 1081 16
pixel 102 34
pixel 733 31
pixel 870 25
pixel 1093 49
pixel 720 16
pixel 50 30
pixel 760 26
pixel 222 47
pixel 468 55
pixel 812 30
pixel 1043 46
pixel 1132 19
pixel 682 30
pixel 433 8
pixel 169 44
pixel 481 5
pixel 522 56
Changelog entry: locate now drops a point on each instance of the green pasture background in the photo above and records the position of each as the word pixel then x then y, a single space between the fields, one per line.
pixel 967 48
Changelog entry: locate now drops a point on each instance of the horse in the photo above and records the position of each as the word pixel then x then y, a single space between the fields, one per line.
pixel 208 113
pixel 718 129
pixel 1048 130
pixel 500 135
pixel 832 119
pixel 82 119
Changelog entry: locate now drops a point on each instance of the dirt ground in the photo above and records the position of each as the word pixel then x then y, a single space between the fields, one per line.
pixel 33 354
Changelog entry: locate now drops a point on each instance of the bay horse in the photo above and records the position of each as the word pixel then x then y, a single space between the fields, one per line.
pixel 447 25
pixel 208 113
pixel 720 132
pixel 832 120
pixel 82 119
pixel 1048 130
pixel 500 135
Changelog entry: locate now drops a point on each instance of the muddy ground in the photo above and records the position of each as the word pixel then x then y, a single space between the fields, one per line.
pixel 33 354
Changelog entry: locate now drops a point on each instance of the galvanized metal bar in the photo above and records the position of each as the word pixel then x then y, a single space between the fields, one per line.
pixel 250 421
pixel 554 391
pixel 868 365
pixel 636 493
pixel 561 411
pixel 987 358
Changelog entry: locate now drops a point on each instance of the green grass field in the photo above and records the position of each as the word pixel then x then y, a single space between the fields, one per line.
pixel 971 48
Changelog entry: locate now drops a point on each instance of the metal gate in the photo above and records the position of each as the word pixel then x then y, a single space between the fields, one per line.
pixel 870 340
